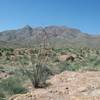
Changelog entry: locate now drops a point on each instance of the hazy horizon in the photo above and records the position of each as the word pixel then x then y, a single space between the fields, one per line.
pixel 83 15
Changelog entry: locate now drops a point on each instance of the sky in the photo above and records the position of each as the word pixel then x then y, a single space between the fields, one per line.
pixel 81 14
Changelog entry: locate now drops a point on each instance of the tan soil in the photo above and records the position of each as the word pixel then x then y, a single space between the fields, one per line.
pixel 67 86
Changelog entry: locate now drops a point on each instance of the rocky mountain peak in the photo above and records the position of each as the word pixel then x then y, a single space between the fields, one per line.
pixel 27 27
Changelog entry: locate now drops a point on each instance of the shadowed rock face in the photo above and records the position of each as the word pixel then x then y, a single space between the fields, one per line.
pixel 58 36
pixel 67 86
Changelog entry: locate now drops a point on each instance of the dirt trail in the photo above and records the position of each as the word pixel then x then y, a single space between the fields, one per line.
pixel 67 86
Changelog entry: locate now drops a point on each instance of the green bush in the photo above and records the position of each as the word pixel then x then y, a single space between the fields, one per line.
pixel 11 86
pixel 69 66
pixel 2 96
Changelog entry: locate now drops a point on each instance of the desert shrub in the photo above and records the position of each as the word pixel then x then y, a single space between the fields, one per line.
pixel 97 62
pixel 24 60
pixel 1 68
pixel 11 86
pixel 72 67
pixel 7 58
pixel 2 96
pixel 38 75
pixel 69 66
pixel 93 63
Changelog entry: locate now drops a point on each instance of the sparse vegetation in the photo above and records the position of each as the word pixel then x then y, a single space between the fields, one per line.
pixel 37 64
pixel 10 86
pixel 38 75
pixel 2 96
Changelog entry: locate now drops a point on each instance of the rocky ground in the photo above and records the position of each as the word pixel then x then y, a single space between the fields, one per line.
pixel 67 86
pixel 4 75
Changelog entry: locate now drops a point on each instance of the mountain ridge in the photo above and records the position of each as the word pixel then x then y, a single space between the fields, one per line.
pixel 57 35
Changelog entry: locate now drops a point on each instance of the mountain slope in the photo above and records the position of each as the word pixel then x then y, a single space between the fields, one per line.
pixel 58 36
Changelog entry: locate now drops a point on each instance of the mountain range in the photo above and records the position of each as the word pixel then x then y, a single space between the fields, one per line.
pixel 57 36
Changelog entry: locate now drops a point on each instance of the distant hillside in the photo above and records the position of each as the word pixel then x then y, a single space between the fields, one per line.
pixel 58 36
